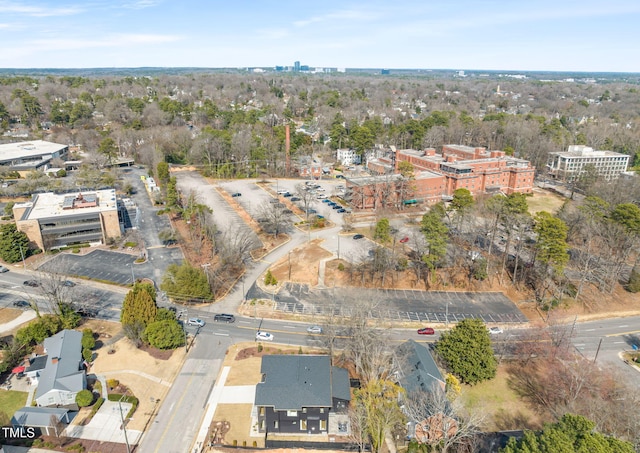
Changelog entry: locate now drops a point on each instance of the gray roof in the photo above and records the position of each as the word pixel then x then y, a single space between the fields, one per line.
pixel 420 372
pixel 292 382
pixel 37 363
pixel 37 416
pixel 64 373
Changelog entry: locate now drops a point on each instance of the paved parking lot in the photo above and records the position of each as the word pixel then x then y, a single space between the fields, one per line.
pixel 102 265
pixel 398 305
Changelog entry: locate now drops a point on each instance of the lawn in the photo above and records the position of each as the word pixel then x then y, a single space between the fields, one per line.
pixel 10 402
pixel 501 406
pixel 543 200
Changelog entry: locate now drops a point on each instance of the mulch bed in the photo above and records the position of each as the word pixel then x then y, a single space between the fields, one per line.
pixel 159 354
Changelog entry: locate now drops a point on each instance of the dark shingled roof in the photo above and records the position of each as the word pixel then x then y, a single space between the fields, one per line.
pixel 420 372
pixel 296 381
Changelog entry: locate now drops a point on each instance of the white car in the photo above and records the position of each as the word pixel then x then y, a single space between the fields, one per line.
pixel 495 330
pixel 264 336
pixel 195 322
pixel 314 329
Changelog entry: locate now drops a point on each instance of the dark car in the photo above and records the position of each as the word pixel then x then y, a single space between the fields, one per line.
pixel 31 283
pixel 222 317
pixel 236 194
pixel 326 200
pixel 287 195
pixel 341 210
pixel 312 211
pixel 295 199
pixel 426 331
pixel 336 206
pixel 68 283
pixel 86 312
pixel 21 304
pixel 358 236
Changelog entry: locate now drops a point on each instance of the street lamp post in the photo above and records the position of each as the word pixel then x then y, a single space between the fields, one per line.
pixel 24 266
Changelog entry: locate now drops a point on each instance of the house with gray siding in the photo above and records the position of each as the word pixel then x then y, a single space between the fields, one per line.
pixel 300 394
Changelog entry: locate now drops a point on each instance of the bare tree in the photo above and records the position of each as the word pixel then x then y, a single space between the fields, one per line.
pixel 273 217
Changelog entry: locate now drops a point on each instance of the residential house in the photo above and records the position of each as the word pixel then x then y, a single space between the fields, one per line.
pixel 64 374
pixel 418 370
pixel 302 394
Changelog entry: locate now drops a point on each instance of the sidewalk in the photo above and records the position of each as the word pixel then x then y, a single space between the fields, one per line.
pixel 24 317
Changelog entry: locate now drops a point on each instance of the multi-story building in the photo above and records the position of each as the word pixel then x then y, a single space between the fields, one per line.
pixel 25 157
pixel 569 165
pixel 437 176
pixel 51 220
pixel 348 157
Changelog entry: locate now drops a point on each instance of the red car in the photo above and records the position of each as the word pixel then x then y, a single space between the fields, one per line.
pixel 403 240
pixel 426 331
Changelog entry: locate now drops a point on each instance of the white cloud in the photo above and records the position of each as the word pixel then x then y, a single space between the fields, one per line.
pixel 38 11
pixel 122 40
pixel 141 4
pixel 353 15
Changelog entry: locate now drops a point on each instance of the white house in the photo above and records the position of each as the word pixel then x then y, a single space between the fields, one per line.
pixel 348 157
pixel 64 374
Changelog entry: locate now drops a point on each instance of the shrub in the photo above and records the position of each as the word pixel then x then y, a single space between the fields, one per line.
pixel 341 267
pixel 87 354
pixel 269 279
pixel 165 334
pixel 112 383
pixel 259 347
pixel 84 398
pixel 88 342
pixel 76 250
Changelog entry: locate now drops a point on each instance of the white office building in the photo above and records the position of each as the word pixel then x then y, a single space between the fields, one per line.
pixel 569 165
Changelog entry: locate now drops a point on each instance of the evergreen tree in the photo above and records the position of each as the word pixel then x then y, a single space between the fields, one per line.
pixel 139 306
pixel 467 351
pixel 14 244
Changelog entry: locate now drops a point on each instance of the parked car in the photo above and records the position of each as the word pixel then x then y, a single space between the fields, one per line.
pixel 341 210
pixel 312 211
pixel 336 206
pixel 68 283
pixel 31 283
pixel 326 200
pixel 21 304
pixel 264 336
pixel 404 240
pixel 195 322
pixel 495 330
pixel 358 236
pixel 295 199
pixel 3 269
pixel 314 329
pixel 287 195
pixel 222 317
pixel 236 194
pixel 426 331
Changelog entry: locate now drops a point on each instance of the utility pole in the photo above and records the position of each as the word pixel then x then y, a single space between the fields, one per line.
pixel 124 427
pixel 24 266
pixel 598 350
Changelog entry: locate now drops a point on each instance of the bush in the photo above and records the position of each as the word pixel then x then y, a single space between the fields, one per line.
pixel 269 279
pixel 96 406
pixel 84 398
pixel 341 267
pixel 112 383
pixel 125 399
pixel 165 334
pixel 633 286
pixel 88 342
pixel 87 354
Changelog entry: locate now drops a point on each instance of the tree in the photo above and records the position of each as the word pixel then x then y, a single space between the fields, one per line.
pixel 185 282
pixel 435 233
pixel 88 341
pixel 383 231
pixel 467 351
pixel 108 148
pixel 551 248
pixel 139 306
pixel 461 203
pixel 163 172
pixel 269 279
pixel 84 398
pixel 572 433
pixel 166 334
pixel 14 244
pixel 377 401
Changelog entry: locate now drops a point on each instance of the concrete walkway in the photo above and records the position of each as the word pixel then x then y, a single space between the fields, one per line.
pixel 24 317
pixel 106 425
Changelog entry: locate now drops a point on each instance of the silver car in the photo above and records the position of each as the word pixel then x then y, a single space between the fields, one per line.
pixel 195 322
pixel 314 329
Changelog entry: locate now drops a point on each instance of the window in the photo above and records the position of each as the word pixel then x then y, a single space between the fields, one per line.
pixel 275 424
pixel 292 413
pixel 322 410
pixel 262 411
pixel 303 425
pixel 323 425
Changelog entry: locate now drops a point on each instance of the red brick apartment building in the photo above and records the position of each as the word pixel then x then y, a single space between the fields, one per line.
pixel 437 176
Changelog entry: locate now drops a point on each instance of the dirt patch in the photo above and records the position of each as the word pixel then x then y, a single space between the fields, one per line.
pixel 157 353
pixel 544 200
pixel 9 314
pixel 301 264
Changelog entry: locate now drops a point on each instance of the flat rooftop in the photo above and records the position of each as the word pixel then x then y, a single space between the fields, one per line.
pixel 34 148
pixel 46 205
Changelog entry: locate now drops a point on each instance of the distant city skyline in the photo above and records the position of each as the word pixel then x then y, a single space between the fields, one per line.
pixel 565 35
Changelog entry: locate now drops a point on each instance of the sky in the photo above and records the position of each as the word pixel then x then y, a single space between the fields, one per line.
pixel 509 35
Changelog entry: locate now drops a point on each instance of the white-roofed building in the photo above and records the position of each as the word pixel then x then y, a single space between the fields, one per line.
pixel 25 157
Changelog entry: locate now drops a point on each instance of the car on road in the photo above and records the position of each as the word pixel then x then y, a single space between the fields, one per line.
pixel 21 304
pixel 3 269
pixel 223 317
pixel 264 336
pixel 358 236
pixel 86 312
pixel 195 322
pixel 404 240
pixel 495 330
pixel 68 283
pixel 31 283
pixel 314 329
pixel 426 331
pixel 236 194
